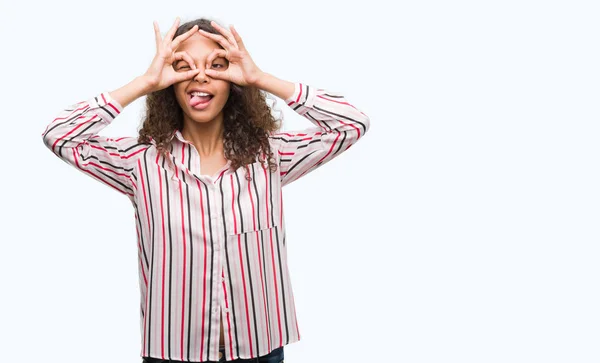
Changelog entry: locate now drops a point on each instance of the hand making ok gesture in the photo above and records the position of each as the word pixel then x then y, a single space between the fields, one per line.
pixel 242 70
pixel 161 74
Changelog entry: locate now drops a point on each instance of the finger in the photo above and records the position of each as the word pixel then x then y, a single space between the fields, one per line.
pixel 238 38
pixel 225 33
pixel 214 54
pixel 172 31
pixel 179 77
pixel 186 57
pixel 183 37
pixel 157 37
pixel 217 38
pixel 217 74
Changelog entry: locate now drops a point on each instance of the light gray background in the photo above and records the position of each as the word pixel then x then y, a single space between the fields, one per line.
pixel 462 228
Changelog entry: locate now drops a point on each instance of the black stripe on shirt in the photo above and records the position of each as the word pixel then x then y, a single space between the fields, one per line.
pixel 282 279
pixel 191 271
pixel 341 143
pixel 342 116
pixel 300 161
pixel 149 292
pixel 212 262
pixel 170 303
pixel 310 142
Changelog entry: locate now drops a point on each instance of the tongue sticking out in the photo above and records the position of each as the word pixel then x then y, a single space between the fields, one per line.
pixel 196 100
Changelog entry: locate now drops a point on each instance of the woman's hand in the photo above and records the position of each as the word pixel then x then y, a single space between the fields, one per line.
pixel 242 70
pixel 161 74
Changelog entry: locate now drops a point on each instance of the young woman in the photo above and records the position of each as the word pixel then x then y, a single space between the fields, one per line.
pixel 204 177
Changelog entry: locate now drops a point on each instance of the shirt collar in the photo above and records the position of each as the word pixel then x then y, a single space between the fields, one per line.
pixel 179 136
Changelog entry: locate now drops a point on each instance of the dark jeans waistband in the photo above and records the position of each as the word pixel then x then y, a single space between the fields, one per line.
pixel 277 352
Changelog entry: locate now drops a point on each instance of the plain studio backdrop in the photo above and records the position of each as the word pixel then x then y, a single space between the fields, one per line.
pixel 464 227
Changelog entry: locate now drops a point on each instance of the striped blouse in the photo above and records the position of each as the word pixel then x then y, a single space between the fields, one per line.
pixel 208 245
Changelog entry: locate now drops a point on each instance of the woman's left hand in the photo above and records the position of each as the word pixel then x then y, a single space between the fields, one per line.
pixel 242 69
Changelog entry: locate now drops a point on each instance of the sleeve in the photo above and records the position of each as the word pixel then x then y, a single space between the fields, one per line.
pixel 73 137
pixel 337 125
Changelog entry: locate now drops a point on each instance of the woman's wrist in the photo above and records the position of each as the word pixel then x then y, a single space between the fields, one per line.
pixel 269 83
pixel 133 90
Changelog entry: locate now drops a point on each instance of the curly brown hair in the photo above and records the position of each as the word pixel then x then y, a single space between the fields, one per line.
pixel 247 119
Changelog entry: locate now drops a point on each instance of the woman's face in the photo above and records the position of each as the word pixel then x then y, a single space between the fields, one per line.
pixel 200 108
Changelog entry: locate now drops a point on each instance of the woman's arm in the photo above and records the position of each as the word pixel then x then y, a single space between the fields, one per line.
pixel 130 92
pixel 73 134
pixel 337 125
pixel 73 137
pixel 278 87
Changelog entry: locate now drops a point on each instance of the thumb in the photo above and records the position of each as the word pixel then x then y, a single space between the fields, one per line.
pixel 217 74
pixel 187 75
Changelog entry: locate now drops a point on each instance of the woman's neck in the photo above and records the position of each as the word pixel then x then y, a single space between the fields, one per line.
pixel 207 137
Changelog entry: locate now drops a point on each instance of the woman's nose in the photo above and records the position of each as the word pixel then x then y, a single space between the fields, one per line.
pixel 201 77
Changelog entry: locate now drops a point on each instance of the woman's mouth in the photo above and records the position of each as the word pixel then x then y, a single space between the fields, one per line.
pixel 199 100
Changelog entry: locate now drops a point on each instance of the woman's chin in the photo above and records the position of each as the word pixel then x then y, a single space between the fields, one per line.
pixel 202 117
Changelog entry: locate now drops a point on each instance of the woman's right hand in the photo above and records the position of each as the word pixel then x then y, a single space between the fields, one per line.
pixel 161 74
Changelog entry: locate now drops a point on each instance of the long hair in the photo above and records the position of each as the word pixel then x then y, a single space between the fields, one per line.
pixel 247 119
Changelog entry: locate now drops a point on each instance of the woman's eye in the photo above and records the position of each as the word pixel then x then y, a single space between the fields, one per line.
pixel 182 67
pixel 217 65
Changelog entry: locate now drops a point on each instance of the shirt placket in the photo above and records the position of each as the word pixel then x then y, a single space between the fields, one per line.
pixel 218 244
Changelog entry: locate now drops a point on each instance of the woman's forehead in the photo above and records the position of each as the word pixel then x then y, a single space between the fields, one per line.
pixel 198 45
